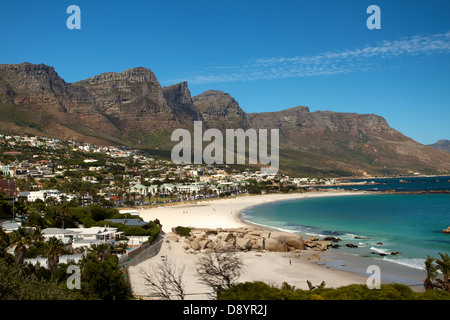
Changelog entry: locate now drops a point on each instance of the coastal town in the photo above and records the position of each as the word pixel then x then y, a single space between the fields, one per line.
pixel 115 210
pixel 48 169
pixel 40 175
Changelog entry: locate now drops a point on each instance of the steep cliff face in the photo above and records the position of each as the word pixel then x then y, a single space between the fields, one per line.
pixel 29 83
pixel 35 99
pixel 132 99
pixel 178 98
pixel 220 110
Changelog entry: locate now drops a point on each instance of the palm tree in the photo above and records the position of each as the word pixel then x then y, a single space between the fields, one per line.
pixel 432 273
pixel 147 192
pixel 100 250
pixel 63 198
pixel 54 248
pixel 4 242
pixel 36 236
pixel 443 265
pixel 21 238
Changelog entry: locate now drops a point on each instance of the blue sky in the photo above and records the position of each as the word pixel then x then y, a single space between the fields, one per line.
pixel 269 55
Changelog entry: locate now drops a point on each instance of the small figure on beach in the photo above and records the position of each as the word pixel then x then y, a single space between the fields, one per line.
pixel 290 262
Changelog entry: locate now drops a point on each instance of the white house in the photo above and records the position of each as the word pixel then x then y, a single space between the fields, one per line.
pixel 189 188
pixel 139 189
pixel 9 227
pixel 104 234
pixel 58 233
pixel 66 236
pixel 6 170
pixel 45 194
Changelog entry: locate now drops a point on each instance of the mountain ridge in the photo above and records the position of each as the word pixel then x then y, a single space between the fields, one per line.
pixel 131 108
pixel 442 144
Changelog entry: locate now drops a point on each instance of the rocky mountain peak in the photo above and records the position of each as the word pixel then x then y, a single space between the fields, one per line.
pixel 442 144
pixel 138 74
pixel 31 83
pixel 178 97
pixel 220 110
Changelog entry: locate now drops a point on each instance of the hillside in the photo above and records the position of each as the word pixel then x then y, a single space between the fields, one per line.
pixel 131 108
pixel 442 145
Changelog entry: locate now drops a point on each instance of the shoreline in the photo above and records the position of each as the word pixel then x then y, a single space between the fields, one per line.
pixel 334 267
pixel 226 212
pixel 353 263
pixel 273 268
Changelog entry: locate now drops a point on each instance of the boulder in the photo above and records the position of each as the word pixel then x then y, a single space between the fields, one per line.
pixel 276 245
pixel 351 245
pixel 333 239
pixel 259 244
pixel 446 230
pixel 173 238
pixel 259 233
pixel 228 237
pixel 291 239
pixel 243 244
pixel 195 245
pixel 322 245
pixel 250 236
pixel 204 243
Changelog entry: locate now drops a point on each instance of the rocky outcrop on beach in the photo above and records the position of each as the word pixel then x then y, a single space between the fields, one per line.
pixel 245 239
pixel 446 230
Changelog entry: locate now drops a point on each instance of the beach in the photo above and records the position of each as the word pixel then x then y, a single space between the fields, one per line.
pixel 273 268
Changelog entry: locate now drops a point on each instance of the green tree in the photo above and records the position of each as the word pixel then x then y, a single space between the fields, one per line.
pixel 103 280
pixel 34 219
pixel 18 284
pixel 102 251
pixel 54 248
pixel 21 238
pixel 4 242
pixel 432 273
pixel 443 265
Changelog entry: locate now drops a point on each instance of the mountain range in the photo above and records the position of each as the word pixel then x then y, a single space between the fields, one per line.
pixel 131 108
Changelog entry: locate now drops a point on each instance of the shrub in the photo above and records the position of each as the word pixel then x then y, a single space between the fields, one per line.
pixel 183 231
pixel 394 291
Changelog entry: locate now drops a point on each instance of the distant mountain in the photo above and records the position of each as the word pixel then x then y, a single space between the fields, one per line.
pixel 131 108
pixel 441 145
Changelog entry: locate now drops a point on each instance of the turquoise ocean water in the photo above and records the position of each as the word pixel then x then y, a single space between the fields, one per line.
pixel 407 223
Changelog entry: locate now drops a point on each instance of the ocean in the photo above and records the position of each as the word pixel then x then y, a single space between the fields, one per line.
pixel 378 224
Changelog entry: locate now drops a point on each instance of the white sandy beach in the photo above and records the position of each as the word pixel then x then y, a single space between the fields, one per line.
pixel 272 268
pixel 219 213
